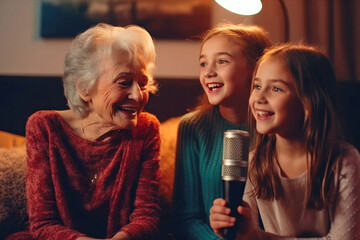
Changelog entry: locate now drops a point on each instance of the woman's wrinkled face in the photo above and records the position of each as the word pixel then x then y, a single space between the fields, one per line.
pixel 119 95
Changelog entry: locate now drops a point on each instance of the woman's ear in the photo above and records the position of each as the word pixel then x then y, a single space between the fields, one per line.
pixel 84 95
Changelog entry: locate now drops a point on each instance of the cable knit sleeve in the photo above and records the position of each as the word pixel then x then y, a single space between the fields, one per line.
pixel 42 209
pixel 187 198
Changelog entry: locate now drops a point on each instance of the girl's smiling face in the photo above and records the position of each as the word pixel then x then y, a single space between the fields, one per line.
pixel 225 74
pixel 274 102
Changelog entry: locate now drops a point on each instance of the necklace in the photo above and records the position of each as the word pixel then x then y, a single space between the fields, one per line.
pixel 95 175
pixel 100 137
pixel 97 161
pixel 94 178
pixel 82 128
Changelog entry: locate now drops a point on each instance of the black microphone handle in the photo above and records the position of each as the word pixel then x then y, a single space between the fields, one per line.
pixel 233 193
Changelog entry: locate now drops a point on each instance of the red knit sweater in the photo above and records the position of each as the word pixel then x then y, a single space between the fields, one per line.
pixel 62 201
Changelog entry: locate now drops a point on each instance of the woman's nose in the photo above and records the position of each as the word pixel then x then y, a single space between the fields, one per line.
pixel 135 92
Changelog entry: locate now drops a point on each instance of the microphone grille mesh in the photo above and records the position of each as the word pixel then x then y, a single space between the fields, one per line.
pixel 236 145
pixel 234 172
pixel 235 155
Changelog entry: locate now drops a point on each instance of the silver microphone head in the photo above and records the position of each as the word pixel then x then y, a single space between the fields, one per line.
pixel 235 155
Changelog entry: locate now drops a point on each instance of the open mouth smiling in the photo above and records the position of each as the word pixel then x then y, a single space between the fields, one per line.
pixel 214 86
pixel 128 110
pixel 264 113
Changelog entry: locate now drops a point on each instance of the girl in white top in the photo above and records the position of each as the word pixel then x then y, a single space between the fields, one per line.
pixel 303 181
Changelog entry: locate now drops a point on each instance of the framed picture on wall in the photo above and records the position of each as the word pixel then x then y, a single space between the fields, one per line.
pixel 164 19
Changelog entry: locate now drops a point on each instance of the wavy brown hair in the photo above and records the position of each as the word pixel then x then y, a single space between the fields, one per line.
pixel 315 79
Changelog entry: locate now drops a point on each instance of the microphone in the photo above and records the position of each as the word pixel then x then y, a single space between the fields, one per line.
pixel 234 172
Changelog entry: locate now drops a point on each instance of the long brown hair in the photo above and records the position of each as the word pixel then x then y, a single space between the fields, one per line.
pixel 252 39
pixel 314 77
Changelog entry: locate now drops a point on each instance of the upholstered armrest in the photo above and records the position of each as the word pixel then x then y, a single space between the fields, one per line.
pixel 168 134
pixel 12 189
pixel 9 140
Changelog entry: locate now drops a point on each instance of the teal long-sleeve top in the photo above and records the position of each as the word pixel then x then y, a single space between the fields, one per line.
pixel 198 172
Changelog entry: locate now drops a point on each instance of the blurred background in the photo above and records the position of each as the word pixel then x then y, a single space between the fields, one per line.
pixel 333 25
pixel 36 35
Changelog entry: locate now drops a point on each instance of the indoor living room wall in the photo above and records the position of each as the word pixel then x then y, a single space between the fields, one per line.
pixel 23 52
pixel 332 25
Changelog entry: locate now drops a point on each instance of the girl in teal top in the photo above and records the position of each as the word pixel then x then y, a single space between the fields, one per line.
pixel 228 54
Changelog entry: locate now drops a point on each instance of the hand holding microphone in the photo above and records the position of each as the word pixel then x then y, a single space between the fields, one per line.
pixel 234 172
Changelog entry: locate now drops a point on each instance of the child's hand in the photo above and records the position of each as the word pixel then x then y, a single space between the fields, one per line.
pixel 219 216
pixel 246 229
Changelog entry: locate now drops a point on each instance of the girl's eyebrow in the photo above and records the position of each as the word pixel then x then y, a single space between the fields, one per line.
pixel 218 54
pixel 274 80
pixel 280 81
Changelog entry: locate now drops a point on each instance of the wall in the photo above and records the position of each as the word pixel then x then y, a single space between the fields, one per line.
pixel 22 52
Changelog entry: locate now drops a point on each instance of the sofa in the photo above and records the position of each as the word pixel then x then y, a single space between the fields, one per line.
pixel 13 215
pixel 20 96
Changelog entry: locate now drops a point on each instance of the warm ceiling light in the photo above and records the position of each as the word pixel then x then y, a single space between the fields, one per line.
pixel 242 7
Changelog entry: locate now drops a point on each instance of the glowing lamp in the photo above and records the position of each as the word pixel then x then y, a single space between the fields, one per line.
pixel 242 7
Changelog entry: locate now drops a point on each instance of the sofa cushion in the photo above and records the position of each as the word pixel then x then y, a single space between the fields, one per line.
pixel 168 135
pixel 13 213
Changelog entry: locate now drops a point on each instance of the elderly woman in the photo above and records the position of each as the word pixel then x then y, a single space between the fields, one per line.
pixel 93 170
